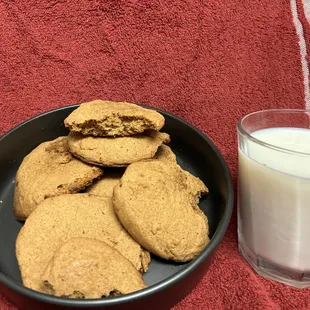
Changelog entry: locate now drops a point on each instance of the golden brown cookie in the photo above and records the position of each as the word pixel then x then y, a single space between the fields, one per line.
pixel 156 201
pixel 164 137
pixel 164 152
pixel 109 118
pixel 88 268
pixel 115 152
pixel 104 187
pixel 49 170
pixel 58 219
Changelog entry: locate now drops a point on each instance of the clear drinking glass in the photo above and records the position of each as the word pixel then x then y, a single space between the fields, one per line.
pixel 274 194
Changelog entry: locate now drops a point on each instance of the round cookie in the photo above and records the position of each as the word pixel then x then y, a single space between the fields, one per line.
pixel 58 219
pixel 49 170
pixel 156 201
pixel 88 268
pixel 164 152
pixel 164 137
pixel 108 118
pixel 116 152
pixel 104 187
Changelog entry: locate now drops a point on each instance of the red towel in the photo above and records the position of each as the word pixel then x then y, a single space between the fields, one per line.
pixel 209 62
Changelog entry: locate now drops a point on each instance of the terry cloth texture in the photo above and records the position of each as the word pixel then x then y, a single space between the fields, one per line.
pixel 209 62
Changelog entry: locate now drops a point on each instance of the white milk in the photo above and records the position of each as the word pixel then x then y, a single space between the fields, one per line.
pixel 274 197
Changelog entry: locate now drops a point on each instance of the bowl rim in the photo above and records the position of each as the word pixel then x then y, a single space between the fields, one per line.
pixel 155 288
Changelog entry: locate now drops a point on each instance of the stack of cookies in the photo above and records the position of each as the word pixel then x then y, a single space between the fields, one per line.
pixel 97 202
pixel 114 134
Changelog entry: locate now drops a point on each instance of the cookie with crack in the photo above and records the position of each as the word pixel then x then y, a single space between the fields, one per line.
pixel 58 219
pixel 156 201
pixel 116 152
pixel 104 187
pixel 49 170
pixel 108 118
pixel 89 268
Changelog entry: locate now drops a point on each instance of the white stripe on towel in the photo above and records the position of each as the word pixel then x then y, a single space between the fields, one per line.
pixel 303 49
pixel 306 4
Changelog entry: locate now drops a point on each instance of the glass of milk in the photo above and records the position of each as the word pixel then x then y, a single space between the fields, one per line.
pixel 274 194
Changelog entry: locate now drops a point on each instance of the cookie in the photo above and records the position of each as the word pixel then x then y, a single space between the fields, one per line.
pixel 156 201
pixel 164 137
pixel 108 118
pixel 116 152
pixel 88 268
pixel 49 170
pixel 58 219
pixel 164 152
pixel 104 187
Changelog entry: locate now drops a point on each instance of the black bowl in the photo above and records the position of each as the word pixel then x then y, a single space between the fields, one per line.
pixel 168 282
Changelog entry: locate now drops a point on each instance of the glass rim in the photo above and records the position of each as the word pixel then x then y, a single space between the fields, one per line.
pixel 243 132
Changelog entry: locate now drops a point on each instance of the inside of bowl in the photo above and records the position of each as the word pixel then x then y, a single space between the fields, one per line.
pixel 193 154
